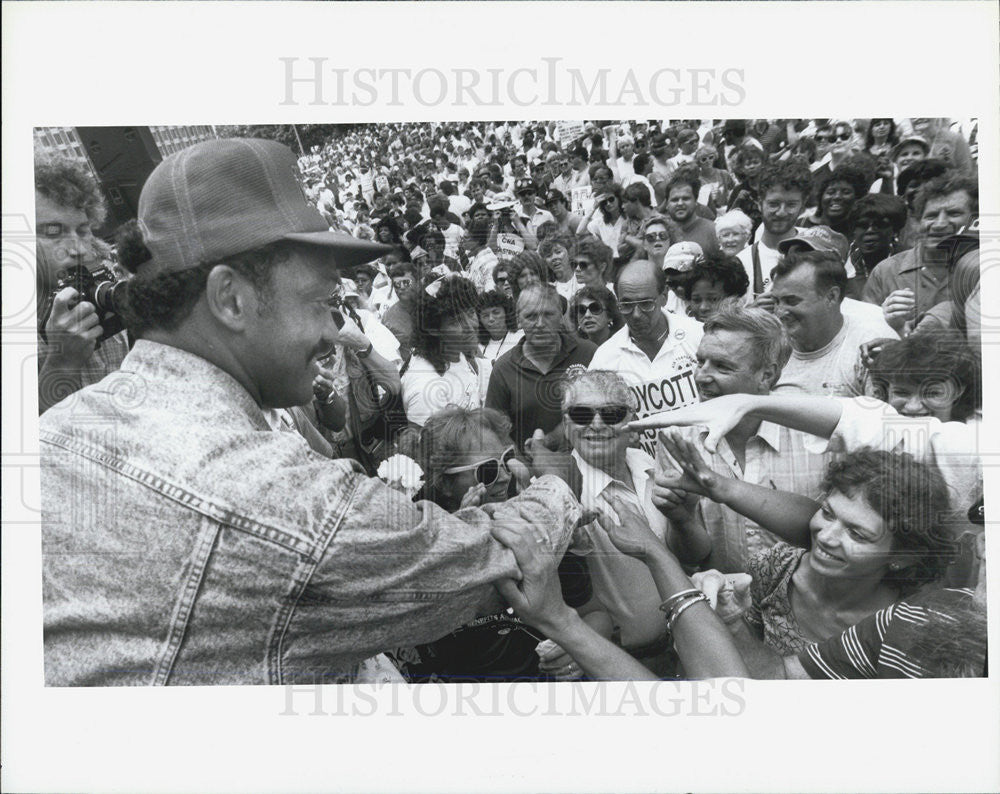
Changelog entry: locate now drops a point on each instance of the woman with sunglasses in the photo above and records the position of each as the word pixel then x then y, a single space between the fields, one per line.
pixel 716 184
pixel 876 221
pixel 658 234
pixel 594 314
pixel 591 263
pixel 610 225
pixel 466 456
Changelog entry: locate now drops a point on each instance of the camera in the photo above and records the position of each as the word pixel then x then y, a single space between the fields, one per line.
pixel 99 287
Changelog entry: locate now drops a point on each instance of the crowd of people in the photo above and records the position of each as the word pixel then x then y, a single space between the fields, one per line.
pixel 518 401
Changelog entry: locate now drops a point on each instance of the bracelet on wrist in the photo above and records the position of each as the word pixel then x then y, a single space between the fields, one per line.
pixel 677 597
pixel 366 352
pixel 679 610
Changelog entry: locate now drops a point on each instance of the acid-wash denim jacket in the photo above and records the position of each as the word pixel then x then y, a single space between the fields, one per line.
pixel 184 542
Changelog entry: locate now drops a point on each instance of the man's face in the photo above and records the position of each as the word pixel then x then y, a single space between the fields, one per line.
pixel 539 318
pixel 842 135
pixel 288 333
pixel 689 145
pixel 945 215
pixel 518 167
pixel 527 197
pixel 627 149
pixel 596 441
pixel 681 203
pixel 631 207
pixel 725 365
pixel 405 286
pixel 63 237
pixel 801 308
pixel 780 209
pixel 641 303
pixel 908 154
pixel 364 283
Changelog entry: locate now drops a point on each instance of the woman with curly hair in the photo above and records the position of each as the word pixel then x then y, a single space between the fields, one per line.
pixel 874 537
pixel 747 163
pixel 498 331
pixel 557 250
pixel 591 263
pixel 711 279
pixel 445 338
pixel 836 196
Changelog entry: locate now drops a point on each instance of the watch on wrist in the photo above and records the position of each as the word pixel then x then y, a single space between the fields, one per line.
pixel 366 352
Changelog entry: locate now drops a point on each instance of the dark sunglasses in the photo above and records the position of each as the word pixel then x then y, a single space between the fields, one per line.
pixel 580 264
pixel 487 471
pixel 873 223
pixel 595 308
pixel 583 415
pixel 653 237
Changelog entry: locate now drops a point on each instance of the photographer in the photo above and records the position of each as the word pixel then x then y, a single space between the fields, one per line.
pixel 71 353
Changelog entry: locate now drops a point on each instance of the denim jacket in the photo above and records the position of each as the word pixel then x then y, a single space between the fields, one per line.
pixel 185 542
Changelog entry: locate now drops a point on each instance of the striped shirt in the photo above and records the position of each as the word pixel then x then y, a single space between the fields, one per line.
pixel 884 645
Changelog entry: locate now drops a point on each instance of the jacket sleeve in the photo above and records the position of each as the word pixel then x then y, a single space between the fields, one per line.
pixel 399 574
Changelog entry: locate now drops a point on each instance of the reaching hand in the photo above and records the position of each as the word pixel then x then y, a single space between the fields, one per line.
pixel 719 415
pixel 323 384
pixel 631 534
pixel 474 496
pixel 556 663
pixel 547 461
pixel 537 597
pixel 728 593
pixel 696 477
pixel 676 504
pixel 764 301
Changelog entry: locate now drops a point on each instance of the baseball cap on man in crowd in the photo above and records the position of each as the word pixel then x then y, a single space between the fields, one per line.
pixel 818 238
pixel 224 197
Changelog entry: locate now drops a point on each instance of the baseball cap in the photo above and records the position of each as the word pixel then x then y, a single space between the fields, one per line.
pixel 818 238
pixel 555 195
pixel 522 185
pixel 918 139
pixel 681 256
pixel 224 197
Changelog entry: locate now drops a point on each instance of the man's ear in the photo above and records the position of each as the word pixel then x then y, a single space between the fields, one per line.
pixel 231 298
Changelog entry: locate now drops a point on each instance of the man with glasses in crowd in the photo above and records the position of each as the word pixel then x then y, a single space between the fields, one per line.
pixel 655 351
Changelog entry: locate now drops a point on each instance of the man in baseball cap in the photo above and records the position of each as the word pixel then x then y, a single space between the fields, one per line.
pixel 184 540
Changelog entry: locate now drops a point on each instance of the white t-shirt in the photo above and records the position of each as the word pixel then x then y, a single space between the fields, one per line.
pixel 663 384
pixel 425 392
pixel 869 317
pixel 834 370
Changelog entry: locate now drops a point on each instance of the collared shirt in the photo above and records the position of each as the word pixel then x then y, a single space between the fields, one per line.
pixel 930 282
pixel 185 542
pixel 624 584
pixel 776 457
pixel 536 219
pixel 532 399
pixel 663 384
